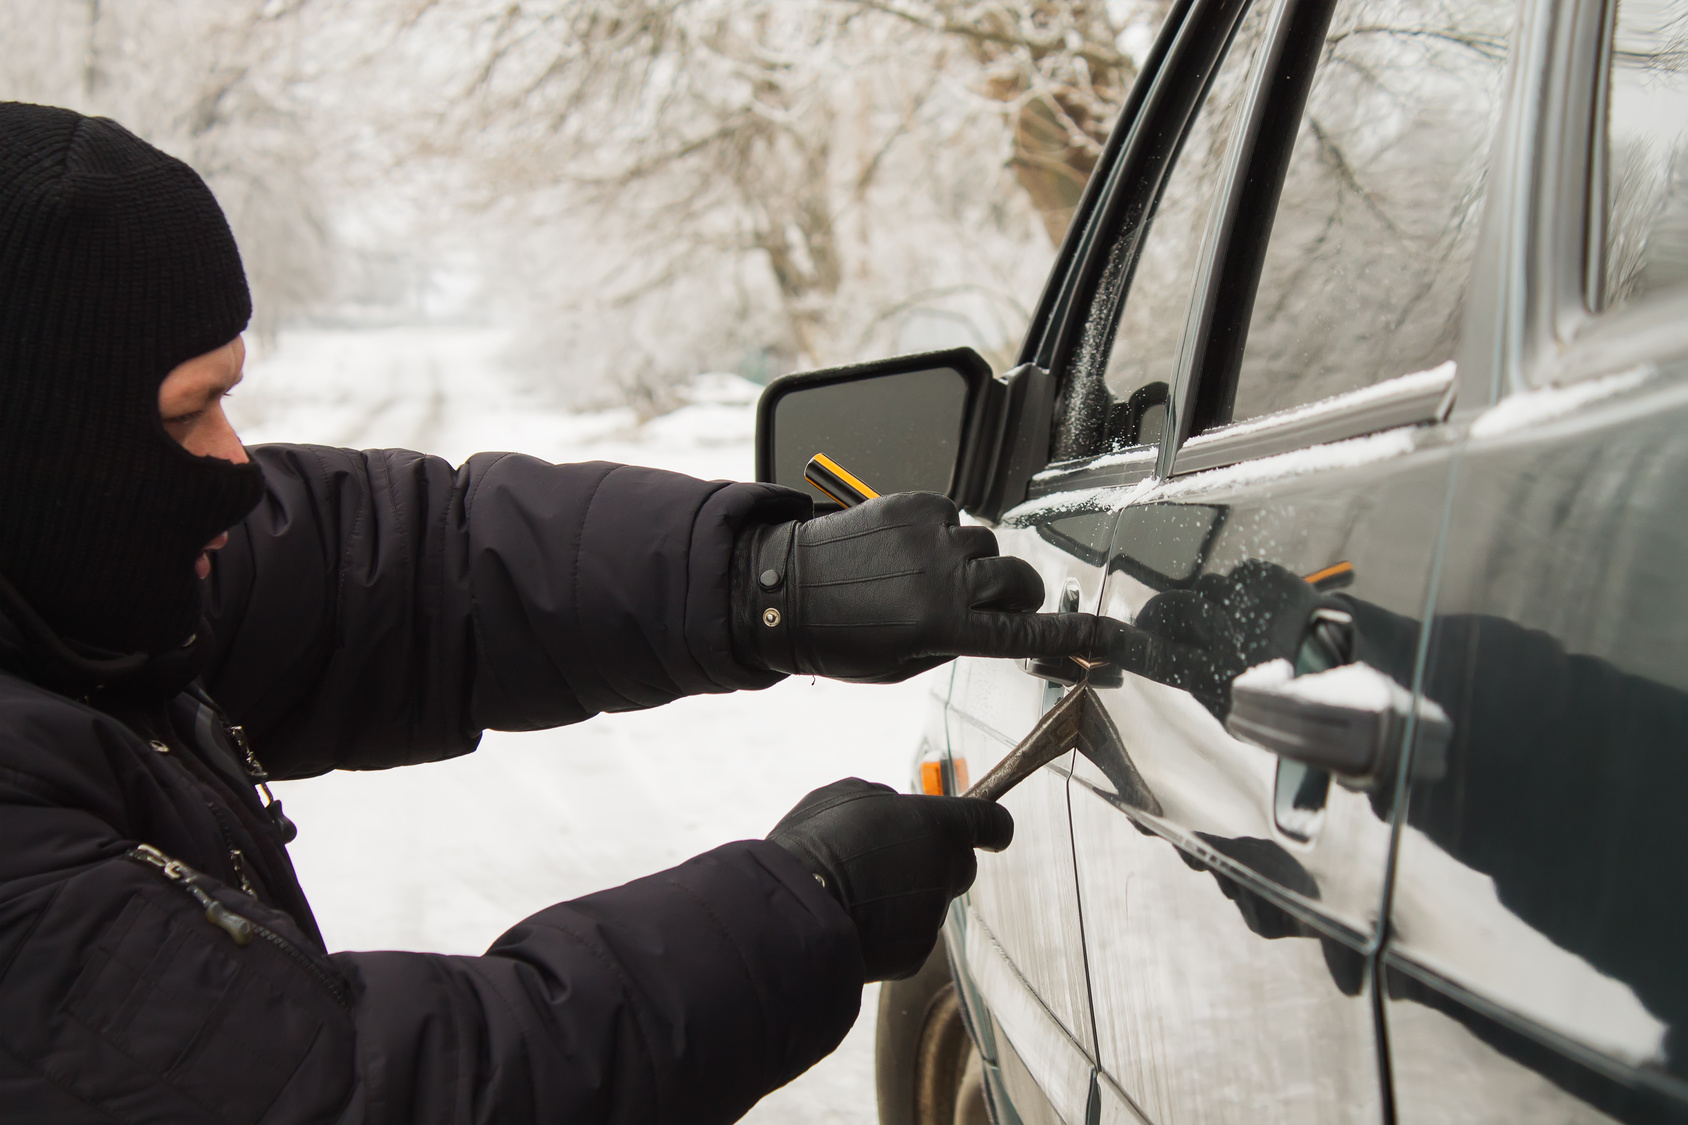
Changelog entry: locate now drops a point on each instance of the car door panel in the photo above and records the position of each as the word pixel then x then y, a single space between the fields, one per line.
pixel 1028 1039
pixel 1456 1065
pixel 1024 903
pixel 1214 1003
pixel 1113 1107
pixel 1026 898
pixel 1227 945
pixel 1540 909
pixel 1209 938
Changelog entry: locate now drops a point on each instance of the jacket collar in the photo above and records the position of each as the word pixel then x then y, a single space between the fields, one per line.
pixel 31 650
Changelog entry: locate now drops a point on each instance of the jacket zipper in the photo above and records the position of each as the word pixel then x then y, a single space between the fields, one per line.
pixel 239 928
pixel 261 780
pixel 237 858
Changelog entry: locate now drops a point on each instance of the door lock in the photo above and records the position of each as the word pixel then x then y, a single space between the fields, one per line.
pixel 1063 670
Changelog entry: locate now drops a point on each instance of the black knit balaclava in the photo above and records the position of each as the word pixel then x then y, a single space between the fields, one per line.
pixel 116 265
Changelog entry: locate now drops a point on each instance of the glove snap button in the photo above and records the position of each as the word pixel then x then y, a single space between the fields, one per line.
pixel 769 579
pixel 770 617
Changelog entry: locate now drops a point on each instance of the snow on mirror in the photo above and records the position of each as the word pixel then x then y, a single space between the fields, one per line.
pixel 898 432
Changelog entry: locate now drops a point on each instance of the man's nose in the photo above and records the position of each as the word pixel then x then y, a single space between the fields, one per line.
pixel 221 440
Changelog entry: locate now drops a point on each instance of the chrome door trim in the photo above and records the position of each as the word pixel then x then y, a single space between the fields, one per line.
pixel 1406 400
pixel 1108 470
pixel 1628 338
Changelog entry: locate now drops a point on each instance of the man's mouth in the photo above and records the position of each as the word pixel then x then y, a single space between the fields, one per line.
pixel 202 565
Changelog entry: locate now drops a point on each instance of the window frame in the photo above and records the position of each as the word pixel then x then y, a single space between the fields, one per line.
pixel 1056 301
pixel 1566 166
pixel 1148 141
pixel 1580 336
pixel 1234 251
pixel 1595 172
pixel 1551 328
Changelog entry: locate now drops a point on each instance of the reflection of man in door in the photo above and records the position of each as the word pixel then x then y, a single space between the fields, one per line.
pixel 1564 781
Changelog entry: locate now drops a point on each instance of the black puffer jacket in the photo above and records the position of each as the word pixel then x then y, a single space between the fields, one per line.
pixel 380 609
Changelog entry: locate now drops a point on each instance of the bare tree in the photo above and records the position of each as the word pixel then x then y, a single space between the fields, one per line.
pixel 876 162
pixel 211 82
pixel 1060 70
pixel 647 187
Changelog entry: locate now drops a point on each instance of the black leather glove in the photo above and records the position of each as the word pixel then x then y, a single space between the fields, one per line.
pixel 892 860
pixel 885 590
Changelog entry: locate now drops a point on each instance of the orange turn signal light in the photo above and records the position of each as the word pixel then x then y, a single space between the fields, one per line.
pixel 932 778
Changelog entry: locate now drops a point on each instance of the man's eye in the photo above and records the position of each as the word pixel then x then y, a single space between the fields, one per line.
pixel 183 419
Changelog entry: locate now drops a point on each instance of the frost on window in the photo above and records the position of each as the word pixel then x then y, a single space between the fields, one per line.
pixel 1126 405
pixel 1371 246
pixel 1646 235
pixel 1152 322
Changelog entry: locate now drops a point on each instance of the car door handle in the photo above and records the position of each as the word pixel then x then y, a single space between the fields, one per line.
pixel 1349 720
pixel 1070 671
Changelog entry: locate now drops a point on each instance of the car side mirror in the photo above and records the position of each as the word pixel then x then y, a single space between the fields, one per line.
pixel 933 422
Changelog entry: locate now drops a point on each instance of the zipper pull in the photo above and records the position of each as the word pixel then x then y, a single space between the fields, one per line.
pixel 174 869
pixel 238 859
pixel 238 928
pixel 255 770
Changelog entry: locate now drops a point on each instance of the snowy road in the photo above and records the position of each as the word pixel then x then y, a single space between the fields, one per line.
pixel 445 857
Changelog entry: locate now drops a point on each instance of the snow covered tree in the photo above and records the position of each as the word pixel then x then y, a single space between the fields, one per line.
pixel 644 188
pixel 212 82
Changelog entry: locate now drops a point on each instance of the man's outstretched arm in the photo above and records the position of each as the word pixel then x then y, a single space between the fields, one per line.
pixel 382 607
pixel 683 996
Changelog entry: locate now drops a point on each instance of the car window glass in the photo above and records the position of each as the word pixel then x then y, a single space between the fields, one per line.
pixel 1646 235
pixel 1365 271
pixel 1122 403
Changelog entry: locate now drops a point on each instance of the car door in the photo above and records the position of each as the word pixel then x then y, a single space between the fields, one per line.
pixel 1018 932
pixel 1266 369
pixel 1536 964
pixel 1018 927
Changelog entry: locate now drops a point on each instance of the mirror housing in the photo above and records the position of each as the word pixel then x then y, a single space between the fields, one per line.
pixel 936 422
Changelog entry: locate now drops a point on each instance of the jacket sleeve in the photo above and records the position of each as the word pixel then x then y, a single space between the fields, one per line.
pixel 381 607
pixel 684 996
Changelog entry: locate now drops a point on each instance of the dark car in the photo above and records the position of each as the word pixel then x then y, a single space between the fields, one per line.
pixel 1360 386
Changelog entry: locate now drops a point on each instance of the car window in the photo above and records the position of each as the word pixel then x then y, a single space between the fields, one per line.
pixel 1121 402
pixel 1365 271
pixel 1646 227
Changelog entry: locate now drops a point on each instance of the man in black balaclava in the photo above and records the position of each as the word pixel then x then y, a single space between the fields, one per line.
pixel 158 960
pixel 117 266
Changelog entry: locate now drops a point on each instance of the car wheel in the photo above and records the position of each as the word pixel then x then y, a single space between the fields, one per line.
pixel 928 1071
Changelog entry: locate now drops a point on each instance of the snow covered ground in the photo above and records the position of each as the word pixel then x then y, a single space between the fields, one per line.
pixel 445 857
